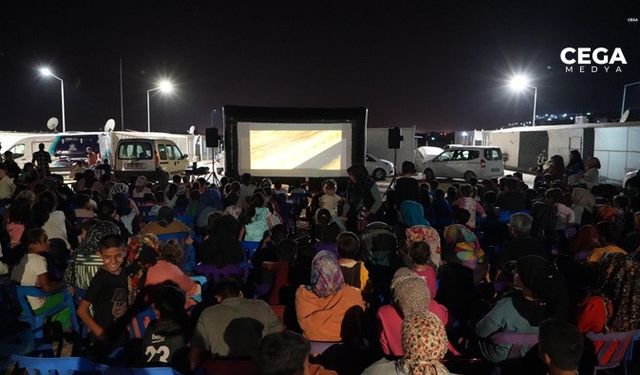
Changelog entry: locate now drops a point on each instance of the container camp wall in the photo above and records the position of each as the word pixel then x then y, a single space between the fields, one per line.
pixel 617 147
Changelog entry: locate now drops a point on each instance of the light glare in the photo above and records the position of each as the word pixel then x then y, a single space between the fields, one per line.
pixel 45 71
pixel 165 86
pixel 519 82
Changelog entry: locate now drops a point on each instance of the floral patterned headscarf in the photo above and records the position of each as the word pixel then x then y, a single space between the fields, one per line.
pixel 421 233
pixel 326 276
pixel 410 292
pixel 424 342
pixel 619 280
pixel 464 243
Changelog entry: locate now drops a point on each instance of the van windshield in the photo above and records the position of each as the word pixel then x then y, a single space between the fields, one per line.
pixel 493 154
pixel 129 150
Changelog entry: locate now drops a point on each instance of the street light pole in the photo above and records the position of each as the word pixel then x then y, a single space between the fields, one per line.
pixel 213 111
pixel 164 86
pixel 148 111
pixel 535 102
pixel 624 95
pixel 48 73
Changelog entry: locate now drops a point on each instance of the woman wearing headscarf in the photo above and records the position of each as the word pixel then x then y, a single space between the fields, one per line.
pixel 322 305
pixel 538 295
pixel 166 223
pixel 209 202
pixel 363 197
pixel 85 261
pixel 411 296
pixel 584 242
pixel 575 168
pixel 412 214
pixel 462 246
pixel 618 287
pixel 591 176
pixel 420 233
pixel 424 343
pixel 221 247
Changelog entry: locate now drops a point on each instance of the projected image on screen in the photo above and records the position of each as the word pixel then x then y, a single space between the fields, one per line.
pixel 294 149
pixel 307 149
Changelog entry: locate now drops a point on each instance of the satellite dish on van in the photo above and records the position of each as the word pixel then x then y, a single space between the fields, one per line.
pixel 625 116
pixel 109 125
pixel 52 123
pixel 192 130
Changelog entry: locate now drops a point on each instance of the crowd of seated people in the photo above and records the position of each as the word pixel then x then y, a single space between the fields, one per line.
pixel 415 280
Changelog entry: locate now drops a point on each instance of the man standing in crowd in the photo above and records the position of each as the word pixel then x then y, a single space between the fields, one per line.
pixel 42 159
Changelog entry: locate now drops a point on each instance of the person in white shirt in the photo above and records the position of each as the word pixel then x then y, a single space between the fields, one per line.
pixel 7 187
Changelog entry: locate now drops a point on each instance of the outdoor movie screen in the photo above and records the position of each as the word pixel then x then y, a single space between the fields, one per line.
pixel 294 149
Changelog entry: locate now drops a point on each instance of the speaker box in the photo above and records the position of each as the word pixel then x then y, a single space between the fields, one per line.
pixel 211 137
pixel 394 137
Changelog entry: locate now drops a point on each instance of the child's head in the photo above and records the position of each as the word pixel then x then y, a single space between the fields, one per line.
pixel 329 187
pixel 149 198
pixel 608 233
pixel 466 190
pixel 433 184
pixel 168 302
pixel 323 216
pixel 171 252
pixel 560 345
pixel 83 201
pixel 439 194
pixel 194 195
pixel 420 252
pixel 461 216
pixel 35 240
pixel 621 201
pixel 287 250
pixel 112 252
pixel 348 245
pixel 232 198
pixel 159 197
pixel 553 196
pixel 278 233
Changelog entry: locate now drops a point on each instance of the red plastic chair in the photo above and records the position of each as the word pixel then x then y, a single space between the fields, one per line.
pixel 608 357
pixel 520 342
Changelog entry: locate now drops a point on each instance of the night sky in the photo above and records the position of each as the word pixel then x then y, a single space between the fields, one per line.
pixel 437 65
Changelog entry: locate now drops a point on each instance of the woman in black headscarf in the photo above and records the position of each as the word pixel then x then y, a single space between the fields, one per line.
pixel 363 197
pixel 221 247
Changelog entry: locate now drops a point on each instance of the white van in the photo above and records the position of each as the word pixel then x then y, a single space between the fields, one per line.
pixel 468 162
pixel 134 157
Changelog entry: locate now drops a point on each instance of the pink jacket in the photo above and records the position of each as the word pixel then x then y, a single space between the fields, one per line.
pixel 166 271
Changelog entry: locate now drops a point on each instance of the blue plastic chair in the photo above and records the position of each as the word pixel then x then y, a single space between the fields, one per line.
pixel 63 365
pixel 249 248
pixel 37 321
pixel 140 371
pixel 186 220
pixel 202 280
pixel 137 325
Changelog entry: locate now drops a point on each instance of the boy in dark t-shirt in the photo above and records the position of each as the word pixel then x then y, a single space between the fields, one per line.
pixel 108 296
pixel 164 341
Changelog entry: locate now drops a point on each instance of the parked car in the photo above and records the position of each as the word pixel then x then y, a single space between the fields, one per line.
pixel 627 176
pixel 467 162
pixel 379 169
pixel 424 154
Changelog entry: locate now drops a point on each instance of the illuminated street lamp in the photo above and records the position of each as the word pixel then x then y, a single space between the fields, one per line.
pixel 165 87
pixel 46 72
pixel 520 82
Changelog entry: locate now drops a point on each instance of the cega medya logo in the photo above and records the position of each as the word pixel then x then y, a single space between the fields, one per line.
pixel 586 60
